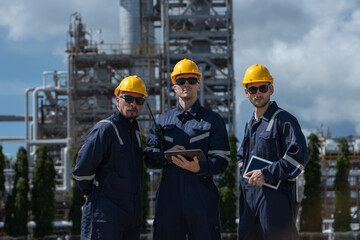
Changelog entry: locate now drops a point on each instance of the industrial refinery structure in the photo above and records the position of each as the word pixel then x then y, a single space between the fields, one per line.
pixel 154 36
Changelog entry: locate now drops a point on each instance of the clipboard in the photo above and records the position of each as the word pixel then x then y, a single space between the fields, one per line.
pixel 259 163
pixel 188 154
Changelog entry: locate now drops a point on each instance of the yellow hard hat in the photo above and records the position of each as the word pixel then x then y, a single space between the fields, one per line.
pixel 131 84
pixel 185 66
pixel 257 73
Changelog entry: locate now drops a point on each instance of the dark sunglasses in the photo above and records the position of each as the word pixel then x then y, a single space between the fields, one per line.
pixel 181 81
pixel 130 99
pixel 263 88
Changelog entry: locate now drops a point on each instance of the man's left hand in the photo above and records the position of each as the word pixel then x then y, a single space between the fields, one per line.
pixel 192 166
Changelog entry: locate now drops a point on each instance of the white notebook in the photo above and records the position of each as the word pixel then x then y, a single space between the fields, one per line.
pixel 259 163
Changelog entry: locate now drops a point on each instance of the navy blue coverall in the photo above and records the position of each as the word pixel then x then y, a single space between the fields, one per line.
pixel 109 169
pixel 187 203
pixel 266 213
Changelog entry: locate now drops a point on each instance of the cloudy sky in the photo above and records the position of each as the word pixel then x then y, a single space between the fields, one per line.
pixel 310 47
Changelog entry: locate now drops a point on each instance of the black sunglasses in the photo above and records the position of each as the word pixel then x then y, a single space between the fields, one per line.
pixel 263 88
pixel 181 81
pixel 130 99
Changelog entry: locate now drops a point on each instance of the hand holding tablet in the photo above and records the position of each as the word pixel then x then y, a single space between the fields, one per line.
pixel 259 163
pixel 188 154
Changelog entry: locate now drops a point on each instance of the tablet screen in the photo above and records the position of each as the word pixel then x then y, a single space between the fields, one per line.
pixel 259 163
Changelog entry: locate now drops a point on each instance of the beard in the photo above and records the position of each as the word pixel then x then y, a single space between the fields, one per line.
pixel 130 113
pixel 260 104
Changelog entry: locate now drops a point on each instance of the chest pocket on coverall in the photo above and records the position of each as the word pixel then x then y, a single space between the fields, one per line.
pixel 169 134
pixel 267 141
pixel 201 136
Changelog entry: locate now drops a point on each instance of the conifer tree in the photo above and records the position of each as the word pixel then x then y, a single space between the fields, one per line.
pixel 226 187
pixel 43 193
pixel 9 215
pixel 18 204
pixel 21 187
pixel 21 207
pixel 310 218
pixel 78 201
pixel 342 217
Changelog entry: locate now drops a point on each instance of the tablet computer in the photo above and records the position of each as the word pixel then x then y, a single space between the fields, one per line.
pixel 188 154
pixel 259 163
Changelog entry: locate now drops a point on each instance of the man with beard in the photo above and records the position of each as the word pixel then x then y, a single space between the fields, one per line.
pixel 273 143
pixel 109 169
pixel 187 200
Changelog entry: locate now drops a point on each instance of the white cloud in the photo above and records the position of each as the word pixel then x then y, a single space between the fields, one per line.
pixel 311 53
pixel 59 52
pixel 40 19
pixel 307 131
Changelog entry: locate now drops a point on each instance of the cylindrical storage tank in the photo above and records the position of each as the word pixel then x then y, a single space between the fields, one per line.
pixel 148 25
pixel 136 36
pixel 130 24
pixel 198 7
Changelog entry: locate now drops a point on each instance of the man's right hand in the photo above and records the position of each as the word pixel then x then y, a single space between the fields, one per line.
pixel 256 177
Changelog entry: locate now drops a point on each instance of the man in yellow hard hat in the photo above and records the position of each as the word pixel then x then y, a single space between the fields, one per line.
pixel 272 154
pixel 187 202
pixel 109 169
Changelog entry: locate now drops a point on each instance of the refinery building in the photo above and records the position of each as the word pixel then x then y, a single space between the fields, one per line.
pixel 154 36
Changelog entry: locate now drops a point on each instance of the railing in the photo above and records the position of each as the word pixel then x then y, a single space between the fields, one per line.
pixel 115 49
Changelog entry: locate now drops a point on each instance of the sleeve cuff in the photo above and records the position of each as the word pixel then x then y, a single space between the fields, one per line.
pixel 266 175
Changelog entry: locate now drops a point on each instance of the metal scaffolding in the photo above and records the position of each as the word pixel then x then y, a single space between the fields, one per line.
pixel 95 70
pixel 202 30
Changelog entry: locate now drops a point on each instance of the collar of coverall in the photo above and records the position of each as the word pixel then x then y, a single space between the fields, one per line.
pixel 193 110
pixel 124 120
pixel 269 112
